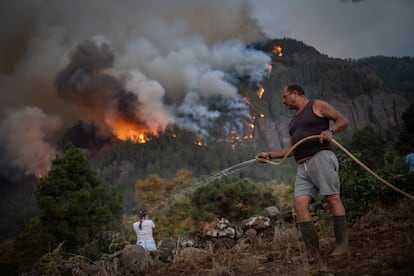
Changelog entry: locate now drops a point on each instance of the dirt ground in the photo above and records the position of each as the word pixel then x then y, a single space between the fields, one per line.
pixel 381 243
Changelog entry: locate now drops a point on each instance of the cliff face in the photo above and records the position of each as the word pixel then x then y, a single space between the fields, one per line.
pixel 383 110
pixel 372 91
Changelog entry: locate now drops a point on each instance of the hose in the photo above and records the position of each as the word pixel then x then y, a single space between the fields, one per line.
pixel 341 147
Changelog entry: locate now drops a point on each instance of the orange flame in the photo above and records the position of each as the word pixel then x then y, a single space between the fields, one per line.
pixel 277 49
pixel 199 143
pixel 261 92
pixel 125 130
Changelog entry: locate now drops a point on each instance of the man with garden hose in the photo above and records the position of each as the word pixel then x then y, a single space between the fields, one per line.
pixel 317 171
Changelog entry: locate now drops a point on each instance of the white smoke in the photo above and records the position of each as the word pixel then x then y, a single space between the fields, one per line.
pixel 201 118
pixel 150 94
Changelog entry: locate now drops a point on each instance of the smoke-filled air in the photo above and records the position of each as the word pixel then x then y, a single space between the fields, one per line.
pixel 128 68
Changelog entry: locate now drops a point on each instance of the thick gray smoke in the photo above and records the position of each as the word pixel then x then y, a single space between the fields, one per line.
pixel 25 133
pixel 137 64
pixel 105 97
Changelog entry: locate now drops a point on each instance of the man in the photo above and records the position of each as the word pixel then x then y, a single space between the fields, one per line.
pixel 317 171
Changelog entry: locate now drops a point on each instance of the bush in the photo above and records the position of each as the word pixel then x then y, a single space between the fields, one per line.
pixel 361 191
pixel 230 197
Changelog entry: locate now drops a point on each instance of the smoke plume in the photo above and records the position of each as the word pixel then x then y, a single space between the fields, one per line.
pixel 25 135
pixel 128 68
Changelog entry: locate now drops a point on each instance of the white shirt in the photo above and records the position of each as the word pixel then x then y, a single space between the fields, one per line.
pixel 145 233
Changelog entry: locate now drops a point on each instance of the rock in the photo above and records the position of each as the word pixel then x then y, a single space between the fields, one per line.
pixel 227 232
pixel 167 249
pixel 133 259
pixel 270 212
pixel 257 222
pixel 250 235
pixel 207 227
pixel 187 242
pixel 222 229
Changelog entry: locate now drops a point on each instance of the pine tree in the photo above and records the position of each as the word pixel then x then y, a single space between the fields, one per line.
pixel 75 205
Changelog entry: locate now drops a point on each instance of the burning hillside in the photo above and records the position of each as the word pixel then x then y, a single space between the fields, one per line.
pixel 130 75
pixel 127 104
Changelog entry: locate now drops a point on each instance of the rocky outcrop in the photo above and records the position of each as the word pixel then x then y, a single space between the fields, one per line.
pixel 381 110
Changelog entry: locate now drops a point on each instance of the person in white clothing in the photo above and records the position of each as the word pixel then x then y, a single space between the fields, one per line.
pixel 143 229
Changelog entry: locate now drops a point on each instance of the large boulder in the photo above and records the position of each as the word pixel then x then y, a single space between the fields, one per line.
pixel 166 249
pixel 132 260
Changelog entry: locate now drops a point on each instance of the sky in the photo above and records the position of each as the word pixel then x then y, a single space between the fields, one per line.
pixel 342 29
pixel 129 66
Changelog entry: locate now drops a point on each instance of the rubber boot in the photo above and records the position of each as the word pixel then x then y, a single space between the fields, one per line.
pixel 310 238
pixel 341 235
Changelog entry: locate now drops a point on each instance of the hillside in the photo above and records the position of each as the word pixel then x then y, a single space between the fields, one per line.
pixel 380 244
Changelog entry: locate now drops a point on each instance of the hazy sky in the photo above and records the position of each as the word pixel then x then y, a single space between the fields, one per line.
pixel 342 29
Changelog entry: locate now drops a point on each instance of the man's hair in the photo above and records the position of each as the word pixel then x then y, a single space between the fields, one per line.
pixel 295 87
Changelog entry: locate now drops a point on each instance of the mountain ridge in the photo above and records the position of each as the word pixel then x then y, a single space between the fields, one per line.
pixel 370 91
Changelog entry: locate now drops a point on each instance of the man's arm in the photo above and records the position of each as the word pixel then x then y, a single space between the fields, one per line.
pixel 324 109
pixel 267 155
pixel 261 157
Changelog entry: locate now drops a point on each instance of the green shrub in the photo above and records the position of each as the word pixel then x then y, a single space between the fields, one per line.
pixel 361 191
pixel 230 197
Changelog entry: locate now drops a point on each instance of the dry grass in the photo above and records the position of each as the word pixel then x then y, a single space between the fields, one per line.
pixel 380 244
pixel 381 241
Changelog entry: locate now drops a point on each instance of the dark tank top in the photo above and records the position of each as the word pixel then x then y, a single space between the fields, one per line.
pixel 304 124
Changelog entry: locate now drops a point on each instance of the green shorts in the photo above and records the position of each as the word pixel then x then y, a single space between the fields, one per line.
pixel 318 175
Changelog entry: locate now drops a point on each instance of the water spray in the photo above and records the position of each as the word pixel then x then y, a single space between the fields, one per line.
pixel 225 172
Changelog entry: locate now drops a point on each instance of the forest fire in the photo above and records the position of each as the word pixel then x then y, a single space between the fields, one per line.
pixel 199 143
pixel 125 130
pixel 261 92
pixel 277 49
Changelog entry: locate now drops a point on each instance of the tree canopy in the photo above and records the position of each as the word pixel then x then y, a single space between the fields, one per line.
pixel 75 205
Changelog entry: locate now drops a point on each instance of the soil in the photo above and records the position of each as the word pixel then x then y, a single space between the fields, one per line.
pixel 381 243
